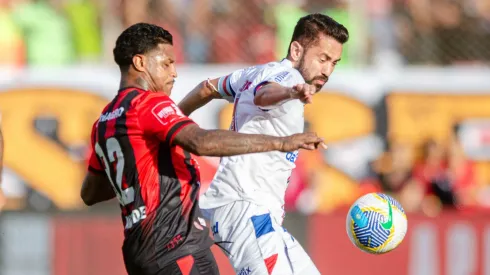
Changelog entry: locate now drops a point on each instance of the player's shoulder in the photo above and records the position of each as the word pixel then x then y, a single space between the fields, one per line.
pixel 282 71
pixel 148 99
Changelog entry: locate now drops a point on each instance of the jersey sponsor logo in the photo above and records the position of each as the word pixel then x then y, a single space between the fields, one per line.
pixel 111 115
pixel 245 271
pixel 165 109
pixel 136 216
pixel 165 112
pixel 246 86
pixel 292 156
pixel 214 228
pixel 174 242
pixel 280 77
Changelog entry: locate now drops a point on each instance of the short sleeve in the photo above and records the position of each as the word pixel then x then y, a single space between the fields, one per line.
pixel 228 85
pixel 160 116
pixel 94 164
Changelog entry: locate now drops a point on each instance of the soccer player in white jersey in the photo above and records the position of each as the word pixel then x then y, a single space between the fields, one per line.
pixel 245 200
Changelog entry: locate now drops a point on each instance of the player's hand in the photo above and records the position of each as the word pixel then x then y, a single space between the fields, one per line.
pixel 304 92
pixel 307 141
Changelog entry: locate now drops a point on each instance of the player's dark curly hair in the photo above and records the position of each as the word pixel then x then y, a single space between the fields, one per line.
pixel 139 39
pixel 309 28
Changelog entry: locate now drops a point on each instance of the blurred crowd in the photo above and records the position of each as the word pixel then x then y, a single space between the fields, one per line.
pixel 393 32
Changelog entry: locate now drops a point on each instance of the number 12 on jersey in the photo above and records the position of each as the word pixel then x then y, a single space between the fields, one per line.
pixel 115 154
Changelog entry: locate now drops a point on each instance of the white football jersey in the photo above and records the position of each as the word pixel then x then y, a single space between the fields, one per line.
pixel 261 178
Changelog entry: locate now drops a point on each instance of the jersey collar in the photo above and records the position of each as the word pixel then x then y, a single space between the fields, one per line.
pixel 287 62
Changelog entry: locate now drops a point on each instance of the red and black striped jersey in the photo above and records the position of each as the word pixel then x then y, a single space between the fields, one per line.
pixel 156 182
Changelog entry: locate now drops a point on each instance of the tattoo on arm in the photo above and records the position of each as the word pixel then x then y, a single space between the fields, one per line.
pixel 223 143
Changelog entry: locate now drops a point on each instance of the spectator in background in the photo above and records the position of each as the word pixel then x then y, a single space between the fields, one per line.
pixel 429 174
pixel 165 14
pixel 241 35
pixel 83 16
pixel 382 38
pixel 453 37
pixel 159 12
pixel 393 174
pixel 197 29
pixel 46 32
pixel 227 36
pixel 111 23
pixel 415 31
pixel 261 43
pixel 461 175
pixel 338 9
pixel 447 177
pixel 482 20
pixel 286 13
pixel 11 41
pixel 432 165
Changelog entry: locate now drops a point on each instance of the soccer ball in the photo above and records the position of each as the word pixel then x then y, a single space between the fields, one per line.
pixel 376 223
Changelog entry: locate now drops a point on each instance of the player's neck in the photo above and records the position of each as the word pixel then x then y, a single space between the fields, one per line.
pixel 290 59
pixel 137 82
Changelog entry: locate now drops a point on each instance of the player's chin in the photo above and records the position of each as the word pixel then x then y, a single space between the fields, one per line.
pixel 168 87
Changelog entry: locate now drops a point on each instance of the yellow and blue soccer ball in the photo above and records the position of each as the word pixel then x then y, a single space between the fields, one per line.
pixel 376 223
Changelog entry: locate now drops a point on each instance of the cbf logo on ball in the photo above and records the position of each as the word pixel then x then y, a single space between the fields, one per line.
pixel 376 223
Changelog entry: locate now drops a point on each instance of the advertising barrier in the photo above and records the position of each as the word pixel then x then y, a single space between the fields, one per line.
pixel 454 243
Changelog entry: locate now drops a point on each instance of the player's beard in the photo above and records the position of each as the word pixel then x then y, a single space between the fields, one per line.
pixel 306 75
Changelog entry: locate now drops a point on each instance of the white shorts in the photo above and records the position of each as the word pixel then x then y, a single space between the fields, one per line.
pixel 255 243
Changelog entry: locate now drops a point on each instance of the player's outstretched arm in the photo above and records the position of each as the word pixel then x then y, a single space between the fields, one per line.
pixel 201 95
pixel 96 188
pixel 273 94
pixel 228 143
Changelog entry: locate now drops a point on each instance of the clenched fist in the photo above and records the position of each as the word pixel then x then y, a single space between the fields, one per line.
pixel 304 92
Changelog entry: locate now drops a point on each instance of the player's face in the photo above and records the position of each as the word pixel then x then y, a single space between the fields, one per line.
pixel 319 60
pixel 161 68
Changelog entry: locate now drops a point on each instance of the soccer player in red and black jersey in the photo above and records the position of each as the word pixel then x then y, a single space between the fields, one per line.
pixel 142 145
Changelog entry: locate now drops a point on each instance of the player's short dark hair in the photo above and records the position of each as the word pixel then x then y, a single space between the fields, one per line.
pixel 139 38
pixel 309 28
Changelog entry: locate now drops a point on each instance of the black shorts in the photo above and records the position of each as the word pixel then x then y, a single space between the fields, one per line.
pixel 200 263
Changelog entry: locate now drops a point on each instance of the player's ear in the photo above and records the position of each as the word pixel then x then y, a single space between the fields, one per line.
pixel 296 51
pixel 139 62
